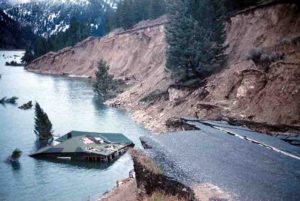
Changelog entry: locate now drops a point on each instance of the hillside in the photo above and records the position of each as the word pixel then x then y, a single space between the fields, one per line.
pixel 131 54
pixel 243 90
pixel 13 35
pixel 49 17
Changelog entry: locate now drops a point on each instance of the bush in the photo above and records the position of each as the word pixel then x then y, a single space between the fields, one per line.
pixel 13 63
pixel 16 154
pixel 294 39
pixel 262 58
pixel 11 100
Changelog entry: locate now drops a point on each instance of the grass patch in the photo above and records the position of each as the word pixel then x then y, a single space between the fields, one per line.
pixel 147 162
pixel 159 196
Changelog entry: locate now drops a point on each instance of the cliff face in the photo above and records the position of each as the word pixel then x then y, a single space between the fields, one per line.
pixel 245 89
pixel 136 56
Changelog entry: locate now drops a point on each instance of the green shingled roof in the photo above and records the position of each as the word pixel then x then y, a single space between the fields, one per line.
pixel 76 144
pixel 114 138
pixel 87 142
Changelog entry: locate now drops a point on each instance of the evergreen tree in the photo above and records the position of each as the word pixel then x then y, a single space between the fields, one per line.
pixel 156 8
pixel 43 126
pixel 239 4
pixel 178 32
pixel 195 35
pixel 105 83
pixel 28 56
pixel 16 154
pixel 130 12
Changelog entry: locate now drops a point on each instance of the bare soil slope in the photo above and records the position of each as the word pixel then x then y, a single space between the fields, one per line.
pixel 243 90
pixel 136 56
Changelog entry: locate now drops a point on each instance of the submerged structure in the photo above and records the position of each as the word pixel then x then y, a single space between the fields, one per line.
pixel 90 146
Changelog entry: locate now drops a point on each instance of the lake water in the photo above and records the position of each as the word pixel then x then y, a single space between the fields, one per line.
pixel 70 105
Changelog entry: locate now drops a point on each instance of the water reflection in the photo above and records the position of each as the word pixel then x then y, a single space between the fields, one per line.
pixel 41 144
pixel 16 165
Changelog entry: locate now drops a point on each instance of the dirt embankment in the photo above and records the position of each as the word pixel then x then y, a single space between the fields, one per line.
pixel 243 90
pixel 151 184
pixel 137 56
pixel 257 91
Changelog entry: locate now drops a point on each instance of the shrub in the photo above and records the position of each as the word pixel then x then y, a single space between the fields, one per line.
pixel 263 58
pixel 11 100
pixel 160 196
pixel 294 39
pixel 16 154
pixel 13 63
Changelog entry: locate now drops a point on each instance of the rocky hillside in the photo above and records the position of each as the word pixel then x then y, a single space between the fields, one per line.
pixel 260 84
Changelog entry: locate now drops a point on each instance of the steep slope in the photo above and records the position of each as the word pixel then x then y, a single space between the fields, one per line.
pixel 136 56
pixel 13 35
pixel 244 90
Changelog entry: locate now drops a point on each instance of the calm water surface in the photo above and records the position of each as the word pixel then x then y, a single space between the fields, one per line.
pixel 70 105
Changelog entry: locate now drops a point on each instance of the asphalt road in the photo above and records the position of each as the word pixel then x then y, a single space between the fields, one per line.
pixel 245 169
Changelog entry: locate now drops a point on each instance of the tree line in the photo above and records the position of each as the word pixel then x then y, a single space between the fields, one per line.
pixel 130 12
pixel 76 32
pixel 195 26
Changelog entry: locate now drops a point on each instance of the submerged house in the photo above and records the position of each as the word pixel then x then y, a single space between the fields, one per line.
pixel 90 146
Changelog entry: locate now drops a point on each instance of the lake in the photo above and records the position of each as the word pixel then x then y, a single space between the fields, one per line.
pixel 71 105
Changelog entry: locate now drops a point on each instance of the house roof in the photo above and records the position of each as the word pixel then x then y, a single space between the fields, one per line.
pixel 87 142
pixel 113 138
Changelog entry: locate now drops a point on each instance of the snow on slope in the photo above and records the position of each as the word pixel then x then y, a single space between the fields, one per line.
pixel 49 17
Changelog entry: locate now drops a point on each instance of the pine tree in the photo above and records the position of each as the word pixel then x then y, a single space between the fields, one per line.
pixel 210 39
pixel 195 35
pixel 156 8
pixel 105 83
pixel 240 4
pixel 43 126
pixel 178 36
pixel 130 12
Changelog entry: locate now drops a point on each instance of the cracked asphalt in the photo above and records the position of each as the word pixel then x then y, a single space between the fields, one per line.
pixel 246 170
